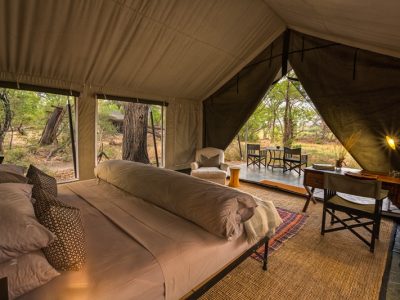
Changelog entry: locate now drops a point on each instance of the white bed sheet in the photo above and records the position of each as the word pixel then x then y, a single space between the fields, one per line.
pixel 117 266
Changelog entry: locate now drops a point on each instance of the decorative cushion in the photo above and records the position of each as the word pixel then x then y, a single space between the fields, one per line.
pixel 41 180
pixel 68 251
pixel 12 169
pixel 20 231
pixel 26 273
pixel 212 161
pixel 208 173
pixel 9 177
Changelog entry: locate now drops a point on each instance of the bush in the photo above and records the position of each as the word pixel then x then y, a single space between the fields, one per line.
pixel 16 155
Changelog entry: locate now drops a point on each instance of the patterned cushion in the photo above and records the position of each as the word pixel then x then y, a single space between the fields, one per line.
pixel 68 251
pixel 41 180
pixel 209 161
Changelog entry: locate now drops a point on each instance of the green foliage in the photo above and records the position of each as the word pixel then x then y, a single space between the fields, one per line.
pixel 16 155
pixel 105 109
pixel 268 119
pixel 156 109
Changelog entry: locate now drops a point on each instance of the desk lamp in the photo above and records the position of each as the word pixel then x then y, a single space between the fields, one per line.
pixel 391 142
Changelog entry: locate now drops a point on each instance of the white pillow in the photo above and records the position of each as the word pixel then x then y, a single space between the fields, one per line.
pixel 20 230
pixel 26 273
pixel 12 169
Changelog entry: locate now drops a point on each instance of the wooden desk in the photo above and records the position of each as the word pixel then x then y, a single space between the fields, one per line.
pixel 314 179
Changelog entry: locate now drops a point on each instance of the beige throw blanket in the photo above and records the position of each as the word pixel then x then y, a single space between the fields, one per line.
pixel 264 221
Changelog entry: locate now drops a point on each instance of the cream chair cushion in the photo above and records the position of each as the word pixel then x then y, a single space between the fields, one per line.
pixel 213 174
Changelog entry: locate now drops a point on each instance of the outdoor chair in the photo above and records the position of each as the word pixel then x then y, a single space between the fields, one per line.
pixel 294 160
pixel 256 156
pixel 359 202
pixel 210 165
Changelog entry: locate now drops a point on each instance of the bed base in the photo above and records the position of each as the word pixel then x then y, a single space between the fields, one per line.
pixel 216 278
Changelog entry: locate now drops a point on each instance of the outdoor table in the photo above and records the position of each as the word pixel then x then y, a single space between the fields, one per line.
pixel 275 157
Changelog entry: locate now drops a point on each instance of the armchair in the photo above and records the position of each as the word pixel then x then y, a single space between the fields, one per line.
pixel 210 165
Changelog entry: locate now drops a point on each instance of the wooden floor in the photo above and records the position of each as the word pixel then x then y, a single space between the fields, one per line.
pixel 309 266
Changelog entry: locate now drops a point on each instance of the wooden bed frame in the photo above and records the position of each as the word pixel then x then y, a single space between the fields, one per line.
pixel 3 289
pixel 197 292
pixel 204 287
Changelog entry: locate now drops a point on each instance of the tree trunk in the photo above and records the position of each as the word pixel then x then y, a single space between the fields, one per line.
pixel 273 128
pixel 7 118
pixel 134 141
pixel 49 133
pixel 287 122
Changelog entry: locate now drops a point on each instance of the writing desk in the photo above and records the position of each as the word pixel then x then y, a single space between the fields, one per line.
pixel 314 179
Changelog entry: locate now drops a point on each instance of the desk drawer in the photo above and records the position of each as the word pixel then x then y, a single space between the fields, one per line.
pixel 314 179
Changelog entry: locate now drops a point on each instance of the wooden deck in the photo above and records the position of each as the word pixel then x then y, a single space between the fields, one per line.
pixel 293 183
pixel 288 181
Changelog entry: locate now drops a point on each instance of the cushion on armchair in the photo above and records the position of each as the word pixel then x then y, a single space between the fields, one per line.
pixel 209 161
pixel 208 173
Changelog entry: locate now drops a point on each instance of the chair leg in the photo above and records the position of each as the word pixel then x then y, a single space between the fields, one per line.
pixel 332 219
pixel 373 237
pixel 323 220
pixel 378 228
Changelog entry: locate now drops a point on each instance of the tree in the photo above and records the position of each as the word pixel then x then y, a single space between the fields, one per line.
pixel 287 118
pixel 6 123
pixel 53 123
pixel 134 141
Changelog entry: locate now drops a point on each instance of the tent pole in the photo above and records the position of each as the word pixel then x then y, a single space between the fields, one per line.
pixel 162 136
pixel 154 137
pixel 71 129
pixel 246 135
pixel 240 148
pixel 285 54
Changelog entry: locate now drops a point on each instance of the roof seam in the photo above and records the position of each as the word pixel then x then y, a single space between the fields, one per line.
pixel 275 13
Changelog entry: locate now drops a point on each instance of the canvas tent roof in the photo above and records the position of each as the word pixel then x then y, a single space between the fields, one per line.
pixel 177 50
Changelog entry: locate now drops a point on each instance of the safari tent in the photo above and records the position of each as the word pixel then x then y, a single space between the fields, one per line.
pixel 210 63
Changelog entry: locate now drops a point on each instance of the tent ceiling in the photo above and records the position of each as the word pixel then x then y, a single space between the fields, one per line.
pixel 367 24
pixel 159 49
pixel 175 48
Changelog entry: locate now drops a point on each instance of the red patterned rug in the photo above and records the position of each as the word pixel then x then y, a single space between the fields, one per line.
pixel 292 223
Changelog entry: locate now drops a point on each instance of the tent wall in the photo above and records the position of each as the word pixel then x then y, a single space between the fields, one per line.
pixel 228 109
pixel 357 93
pixel 86 134
pixel 183 133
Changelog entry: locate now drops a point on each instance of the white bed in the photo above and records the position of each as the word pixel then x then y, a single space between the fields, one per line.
pixel 137 250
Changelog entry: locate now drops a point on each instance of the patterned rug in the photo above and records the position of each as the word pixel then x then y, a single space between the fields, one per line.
pixel 292 223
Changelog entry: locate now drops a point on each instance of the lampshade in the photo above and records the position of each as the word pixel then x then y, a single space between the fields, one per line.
pixel 390 141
